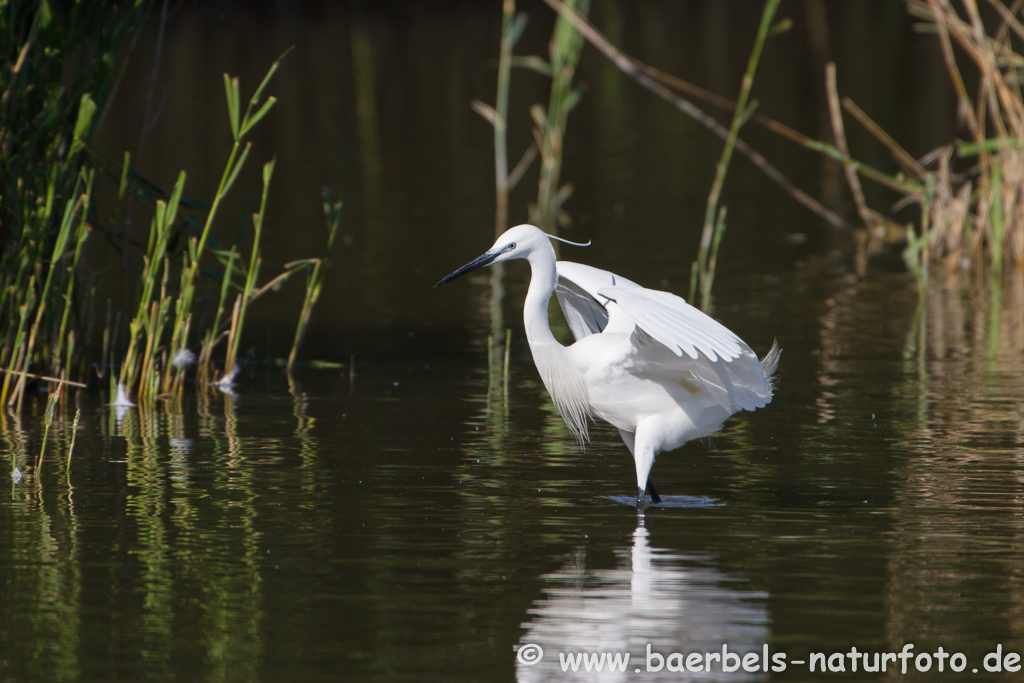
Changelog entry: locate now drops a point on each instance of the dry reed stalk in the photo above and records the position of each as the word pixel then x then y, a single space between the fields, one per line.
pixel 511 29
pixel 974 217
pixel 866 215
pixel 550 124
pixel 995 228
pixel 642 74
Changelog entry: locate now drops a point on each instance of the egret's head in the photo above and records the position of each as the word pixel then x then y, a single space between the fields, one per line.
pixel 517 242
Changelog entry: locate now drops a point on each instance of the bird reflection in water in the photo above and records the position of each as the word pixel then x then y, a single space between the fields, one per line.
pixel 672 602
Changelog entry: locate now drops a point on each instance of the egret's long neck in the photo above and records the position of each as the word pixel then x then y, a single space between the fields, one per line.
pixel 535 308
pixel 560 376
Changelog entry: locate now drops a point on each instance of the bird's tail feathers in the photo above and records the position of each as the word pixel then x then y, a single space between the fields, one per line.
pixel 770 363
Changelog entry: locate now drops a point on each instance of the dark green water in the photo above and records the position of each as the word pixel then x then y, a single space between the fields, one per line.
pixel 413 519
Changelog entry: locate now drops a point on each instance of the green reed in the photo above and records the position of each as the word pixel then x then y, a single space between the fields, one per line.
pixel 550 125
pixel 512 29
pixel 703 269
pixel 51 406
pixel 49 107
pixel 314 283
pixel 62 67
pixel 146 327
pixel 251 275
pixel 74 432
pixel 22 354
pixel 256 109
pixel 163 366
pixel 564 51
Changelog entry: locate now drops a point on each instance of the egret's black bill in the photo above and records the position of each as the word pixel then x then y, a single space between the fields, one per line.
pixel 479 262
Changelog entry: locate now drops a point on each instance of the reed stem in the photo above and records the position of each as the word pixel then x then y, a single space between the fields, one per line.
pixel 314 284
pixel 713 230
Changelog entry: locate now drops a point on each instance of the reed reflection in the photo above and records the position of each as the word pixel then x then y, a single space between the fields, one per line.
pixel 958 512
pixel 180 523
pixel 938 382
pixel 43 581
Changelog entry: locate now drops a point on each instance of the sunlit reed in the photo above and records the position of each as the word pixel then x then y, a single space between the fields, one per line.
pixel 550 125
pixel 511 29
pixel 714 216
pixel 49 169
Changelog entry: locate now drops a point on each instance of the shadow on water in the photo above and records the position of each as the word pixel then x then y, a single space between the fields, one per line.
pixel 670 502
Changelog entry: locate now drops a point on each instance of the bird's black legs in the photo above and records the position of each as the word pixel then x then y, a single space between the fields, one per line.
pixel 653 490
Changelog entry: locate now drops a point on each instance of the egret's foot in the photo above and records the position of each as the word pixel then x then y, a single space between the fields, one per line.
pixel 655 498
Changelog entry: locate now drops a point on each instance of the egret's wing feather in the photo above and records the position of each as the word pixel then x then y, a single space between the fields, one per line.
pixel 577 291
pixel 747 386
pixel 770 362
pixel 672 339
pixel 676 324
pixel 591 279
pixel 739 384
pixel 584 315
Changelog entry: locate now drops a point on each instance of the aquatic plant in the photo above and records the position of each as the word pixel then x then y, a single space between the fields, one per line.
pixel 703 270
pixel 550 124
pixel 61 65
pixel 566 44
pixel 565 47
pixel 49 105
pixel 314 283
pixel 971 218
pixel 976 216
pixel 512 28
pixel 160 376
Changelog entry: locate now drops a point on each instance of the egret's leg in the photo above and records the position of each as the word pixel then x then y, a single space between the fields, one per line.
pixel 644 458
pixel 629 438
pixel 653 490
pixel 647 441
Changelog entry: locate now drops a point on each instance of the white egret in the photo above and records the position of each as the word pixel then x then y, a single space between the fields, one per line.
pixel 659 370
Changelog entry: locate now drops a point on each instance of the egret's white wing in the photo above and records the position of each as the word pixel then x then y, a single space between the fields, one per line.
pixel 576 289
pixel 673 339
pixel 584 315
pixel 583 292
pixel 739 384
pixel 675 323
pixel 591 279
pixel 742 381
